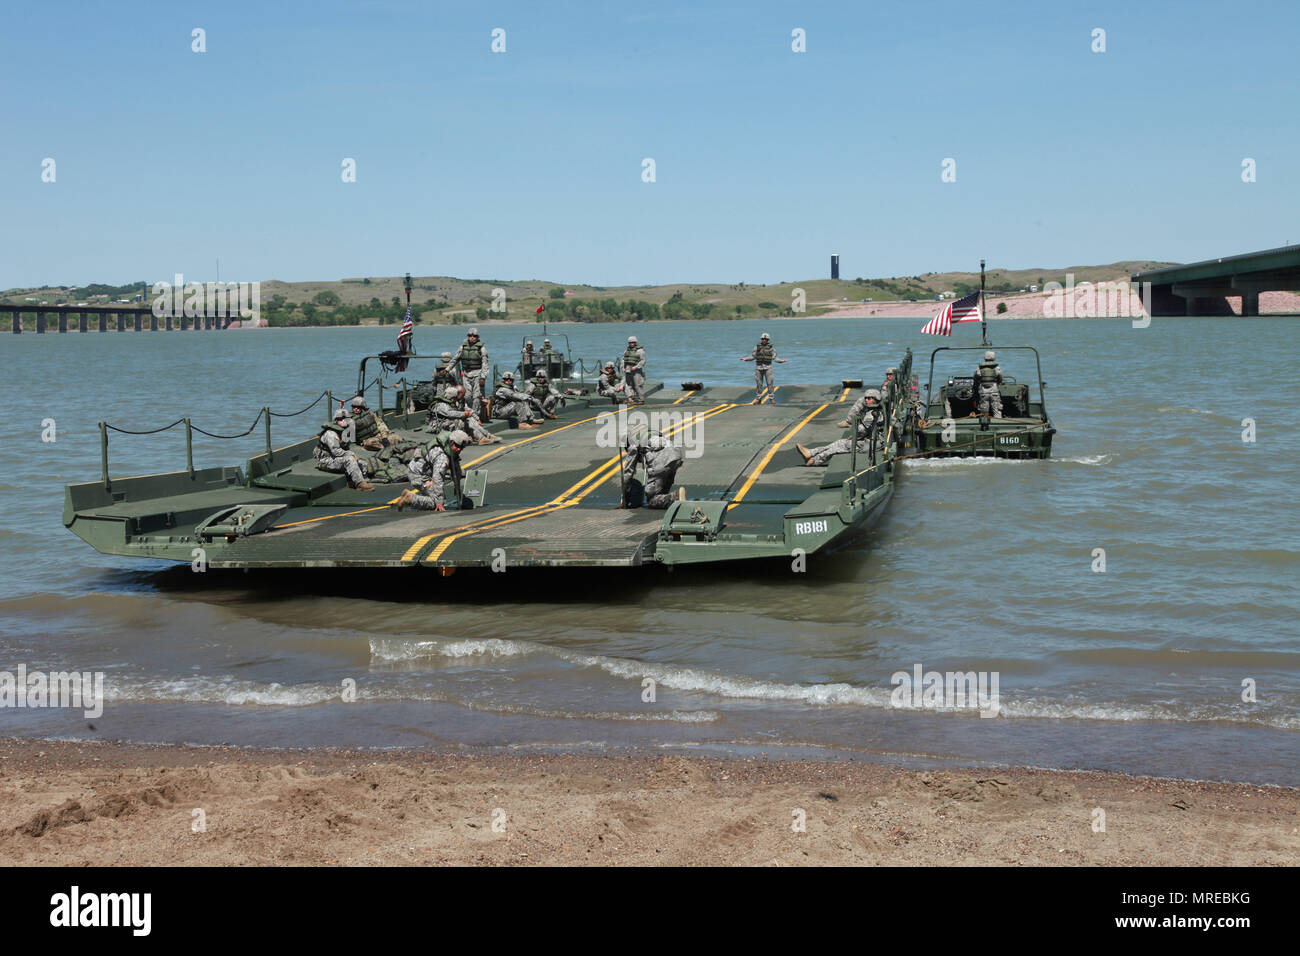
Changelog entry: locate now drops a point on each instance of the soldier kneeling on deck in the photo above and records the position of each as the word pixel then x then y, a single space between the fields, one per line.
pixel 332 454
pixel 662 459
pixel 868 428
pixel 510 404
pixel 427 472
pixel 450 413
pixel 987 379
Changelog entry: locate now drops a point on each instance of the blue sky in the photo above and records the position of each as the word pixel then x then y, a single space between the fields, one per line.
pixel 527 164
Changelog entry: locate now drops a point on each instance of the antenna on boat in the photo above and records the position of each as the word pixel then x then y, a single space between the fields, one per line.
pixel 984 328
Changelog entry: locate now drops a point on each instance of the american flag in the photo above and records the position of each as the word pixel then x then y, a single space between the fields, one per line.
pixel 965 309
pixel 404 337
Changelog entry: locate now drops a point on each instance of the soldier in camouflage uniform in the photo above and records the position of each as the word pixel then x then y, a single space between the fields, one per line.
pixel 510 404
pixel 861 403
pixel 472 360
pixel 763 356
pixel 543 394
pixel 450 413
pixel 634 371
pixel 987 379
pixel 868 428
pixel 369 429
pixel 332 451
pixel 445 373
pixel 426 473
pixel 608 385
pixel 662 459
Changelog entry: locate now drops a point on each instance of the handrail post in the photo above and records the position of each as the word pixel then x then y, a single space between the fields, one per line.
pixel 853 447
pixel 266 410
pixel 103 454
pixel 189 447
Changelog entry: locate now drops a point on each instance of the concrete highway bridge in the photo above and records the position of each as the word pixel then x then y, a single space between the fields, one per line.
pixel 106 318
pixel 1203 288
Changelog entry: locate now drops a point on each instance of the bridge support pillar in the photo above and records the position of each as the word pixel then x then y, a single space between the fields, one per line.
pixel 18 323
pixel 103 321
pixel 1250 303
pixel 83 322
pixel 169 322
pixel 153 322
pixel 121 322
pixel 63 322
pixel 40 323
pixel 139 322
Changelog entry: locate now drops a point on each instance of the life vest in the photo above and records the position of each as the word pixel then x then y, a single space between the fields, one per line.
pixel 987 374
pixel 471 356
pixel 764 353
pixel 367 426
pixel 631 356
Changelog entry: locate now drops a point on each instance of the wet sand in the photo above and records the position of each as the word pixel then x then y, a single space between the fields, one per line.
pixel 77 804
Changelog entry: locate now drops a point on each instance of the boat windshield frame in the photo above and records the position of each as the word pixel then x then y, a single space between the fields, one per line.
pixel 1038 364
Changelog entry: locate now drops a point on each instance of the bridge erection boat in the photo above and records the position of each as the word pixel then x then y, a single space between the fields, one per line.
pixel 545 497
pixel 954 423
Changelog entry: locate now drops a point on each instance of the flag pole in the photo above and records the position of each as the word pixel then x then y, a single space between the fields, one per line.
pixel 984 329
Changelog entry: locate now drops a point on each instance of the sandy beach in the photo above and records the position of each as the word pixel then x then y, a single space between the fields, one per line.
pixel 78 804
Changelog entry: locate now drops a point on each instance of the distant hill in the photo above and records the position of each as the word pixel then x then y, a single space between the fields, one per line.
pixel 447 299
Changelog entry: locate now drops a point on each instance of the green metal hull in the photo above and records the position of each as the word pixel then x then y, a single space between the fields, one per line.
pixel 547 498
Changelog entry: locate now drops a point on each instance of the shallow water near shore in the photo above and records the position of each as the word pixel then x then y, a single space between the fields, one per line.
pixel 977 566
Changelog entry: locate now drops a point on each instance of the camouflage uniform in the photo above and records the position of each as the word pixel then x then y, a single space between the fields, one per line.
pixel 608 385
pixel 331 451
pixel 987 379
pixel 426 472
pixel 634 370
pixel 662 459
pixel 544 394
pixel 763 356
pixel 445 373
pixel 509 404
pixel 449 413
pixel 369 430
pixel 472 359
pixel 868 428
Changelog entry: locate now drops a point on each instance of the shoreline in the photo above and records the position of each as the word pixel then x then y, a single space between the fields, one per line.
pixel 76 803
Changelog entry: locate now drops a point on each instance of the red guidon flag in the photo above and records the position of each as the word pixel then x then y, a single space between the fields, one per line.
pixel 541 308
pixel 965 309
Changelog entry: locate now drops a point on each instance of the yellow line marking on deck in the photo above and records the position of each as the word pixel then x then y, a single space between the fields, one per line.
pixel 569 497
pixel 753 476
